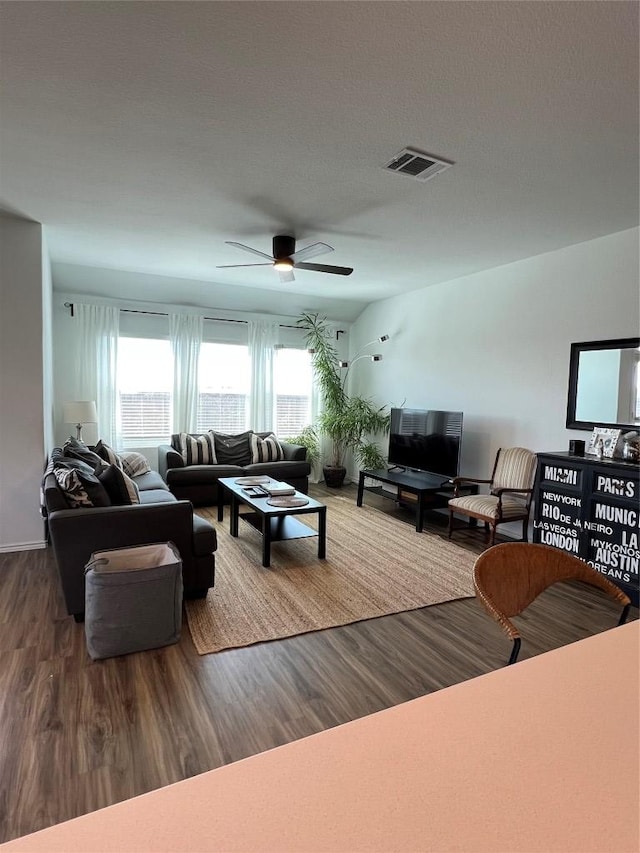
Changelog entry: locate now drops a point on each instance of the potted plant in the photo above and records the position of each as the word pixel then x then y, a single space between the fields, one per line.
pixel 347 421
pixel 307 437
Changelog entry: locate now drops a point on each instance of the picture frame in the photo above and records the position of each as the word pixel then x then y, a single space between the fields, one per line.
pixel 604 441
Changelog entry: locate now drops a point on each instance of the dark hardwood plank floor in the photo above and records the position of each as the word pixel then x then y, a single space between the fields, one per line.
pixel 77 735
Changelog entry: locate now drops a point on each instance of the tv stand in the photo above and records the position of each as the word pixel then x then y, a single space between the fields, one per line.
pixel 429 489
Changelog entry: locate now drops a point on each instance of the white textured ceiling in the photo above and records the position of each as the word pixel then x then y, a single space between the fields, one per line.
pixel 144 135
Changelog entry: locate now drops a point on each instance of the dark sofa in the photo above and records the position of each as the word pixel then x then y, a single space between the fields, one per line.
pixel 159 517
pixel 199 483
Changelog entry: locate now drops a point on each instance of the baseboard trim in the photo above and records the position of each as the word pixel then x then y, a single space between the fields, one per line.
pixel 22 546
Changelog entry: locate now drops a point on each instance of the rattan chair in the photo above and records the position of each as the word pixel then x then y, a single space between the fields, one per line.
pixel 510 492
pixel 508 577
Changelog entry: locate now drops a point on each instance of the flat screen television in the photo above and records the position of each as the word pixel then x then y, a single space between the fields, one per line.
pixel 425 440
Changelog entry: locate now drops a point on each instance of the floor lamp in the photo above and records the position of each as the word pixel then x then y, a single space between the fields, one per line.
pixel 361 354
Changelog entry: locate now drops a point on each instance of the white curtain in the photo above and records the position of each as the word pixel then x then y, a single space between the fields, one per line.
pixel 263 338
pixel 98 360
pixel 185 332
pixel 316 474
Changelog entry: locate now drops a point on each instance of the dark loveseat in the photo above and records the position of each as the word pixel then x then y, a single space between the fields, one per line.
pixel 199 483
pixel 159 517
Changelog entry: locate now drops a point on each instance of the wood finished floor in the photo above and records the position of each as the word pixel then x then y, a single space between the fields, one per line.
pixel 77 735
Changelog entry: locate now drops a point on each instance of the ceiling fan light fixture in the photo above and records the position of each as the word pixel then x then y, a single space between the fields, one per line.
pixel 283 264
pixel 284 258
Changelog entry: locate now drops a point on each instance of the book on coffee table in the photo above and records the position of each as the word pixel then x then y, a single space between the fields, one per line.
pixel 279 489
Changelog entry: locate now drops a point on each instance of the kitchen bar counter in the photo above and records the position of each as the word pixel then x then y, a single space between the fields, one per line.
pixel 540 756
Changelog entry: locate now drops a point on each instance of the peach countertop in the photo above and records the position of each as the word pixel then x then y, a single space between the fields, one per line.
pixel 540 756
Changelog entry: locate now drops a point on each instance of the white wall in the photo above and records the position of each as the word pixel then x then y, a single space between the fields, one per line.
pixel 496 344
pixel 47 347
pixel 22 450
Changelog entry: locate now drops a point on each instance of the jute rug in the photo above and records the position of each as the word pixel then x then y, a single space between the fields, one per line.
pixel 376 564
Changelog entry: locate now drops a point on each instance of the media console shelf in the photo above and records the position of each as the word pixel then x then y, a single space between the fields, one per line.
pixel 430 490
pixel 589 507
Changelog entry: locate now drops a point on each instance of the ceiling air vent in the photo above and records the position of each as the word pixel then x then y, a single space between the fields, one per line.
pixel 415 164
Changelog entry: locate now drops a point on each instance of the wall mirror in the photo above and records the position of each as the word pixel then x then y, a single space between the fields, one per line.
pixel 604 384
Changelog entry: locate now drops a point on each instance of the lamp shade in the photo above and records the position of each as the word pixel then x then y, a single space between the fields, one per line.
pixel 80 412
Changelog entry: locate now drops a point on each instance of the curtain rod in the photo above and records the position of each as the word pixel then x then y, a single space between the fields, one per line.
pixel 166 314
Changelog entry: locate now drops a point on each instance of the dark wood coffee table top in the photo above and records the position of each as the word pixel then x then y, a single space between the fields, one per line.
pixel 273 522
pixel 260 504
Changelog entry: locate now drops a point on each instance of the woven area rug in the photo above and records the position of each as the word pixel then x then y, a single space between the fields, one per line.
pixel 376 564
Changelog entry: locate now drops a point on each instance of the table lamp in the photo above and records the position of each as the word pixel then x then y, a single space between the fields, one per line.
pixel 80 412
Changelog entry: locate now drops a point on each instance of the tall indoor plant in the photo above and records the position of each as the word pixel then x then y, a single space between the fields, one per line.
pixel 347 421
pixel 307 438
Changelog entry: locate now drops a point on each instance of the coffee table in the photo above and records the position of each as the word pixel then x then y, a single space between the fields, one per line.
pixel 275 523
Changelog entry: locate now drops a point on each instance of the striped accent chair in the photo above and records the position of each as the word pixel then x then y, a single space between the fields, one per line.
pixel 510 493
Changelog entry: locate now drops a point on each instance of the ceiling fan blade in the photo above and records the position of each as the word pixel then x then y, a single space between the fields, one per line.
pixel 233 266
pixel 325 268
pixel 311 251
pixel 286 276
pixel 248 249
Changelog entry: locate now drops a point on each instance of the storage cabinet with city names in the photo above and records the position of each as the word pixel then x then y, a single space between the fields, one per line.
pixel 589 507
pixel 613 526
pixel 558 515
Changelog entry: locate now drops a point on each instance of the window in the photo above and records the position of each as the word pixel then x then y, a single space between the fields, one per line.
pixel 224 378
pixel 145 385
pixel 293 381
pixel 145 382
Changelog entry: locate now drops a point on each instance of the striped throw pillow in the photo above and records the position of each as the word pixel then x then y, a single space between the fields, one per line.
pixel 198 449
pixel 266 449
pixel 133 464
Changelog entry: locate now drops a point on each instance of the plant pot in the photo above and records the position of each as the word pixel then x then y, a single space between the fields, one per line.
pixel 334 476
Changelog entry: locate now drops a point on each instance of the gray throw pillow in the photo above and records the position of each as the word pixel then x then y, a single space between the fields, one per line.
pixel 121 489
pixel 108 454
pixel 74 449
pixel 233 449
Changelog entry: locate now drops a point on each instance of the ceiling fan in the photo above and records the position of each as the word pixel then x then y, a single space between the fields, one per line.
pixel 285 259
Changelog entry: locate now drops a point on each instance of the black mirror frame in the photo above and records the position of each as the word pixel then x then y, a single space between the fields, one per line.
pixel 574 359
